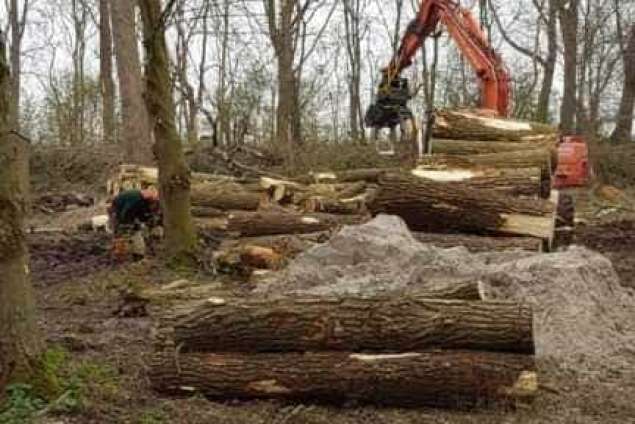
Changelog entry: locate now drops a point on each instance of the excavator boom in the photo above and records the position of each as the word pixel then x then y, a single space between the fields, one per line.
pixel 472 42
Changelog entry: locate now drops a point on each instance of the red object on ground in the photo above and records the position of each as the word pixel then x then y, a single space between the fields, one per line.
pixel 573 168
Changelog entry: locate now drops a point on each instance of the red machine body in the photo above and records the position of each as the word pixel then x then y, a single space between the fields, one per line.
pixel 573 168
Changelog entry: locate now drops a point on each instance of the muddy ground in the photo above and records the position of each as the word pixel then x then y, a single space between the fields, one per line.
pixel 82 292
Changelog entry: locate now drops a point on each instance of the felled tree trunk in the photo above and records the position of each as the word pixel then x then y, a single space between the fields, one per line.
pixel 445 207
pixel 513 182
pixel 445 379
pixel 474 125
pixel 248 224
pixel 535 158
pixel 225 196
pixel 472 147
pixel 401 323
pixel 370 175
pixel 135 176
pixel 480 243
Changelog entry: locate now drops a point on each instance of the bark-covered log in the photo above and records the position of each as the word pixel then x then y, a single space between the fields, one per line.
pixel 254 224
pixel 226 196
pixel 446 207
pixel 208 212
pixel 476 147
pixel 474 125
pixel 509 181
pixel 397 323
pixel 535 158
pixel 440 379
pixel 480 243
pixel 370 175
pixel 131 176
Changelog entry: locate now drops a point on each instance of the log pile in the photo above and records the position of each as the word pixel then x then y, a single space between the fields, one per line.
pixel 444 348
pixel 470 200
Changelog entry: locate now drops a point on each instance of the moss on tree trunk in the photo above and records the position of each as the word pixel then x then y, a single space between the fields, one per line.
pixel 20 341
pixel 174 175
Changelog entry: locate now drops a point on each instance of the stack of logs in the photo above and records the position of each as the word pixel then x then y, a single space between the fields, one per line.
pixel 491 191
pixel 445 347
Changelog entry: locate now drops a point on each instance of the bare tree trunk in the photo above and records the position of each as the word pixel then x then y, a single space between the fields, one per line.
pixel 352 18
pixel 568 14
pixel 174 175
pixel 542 114
pixel 18 24
pixel 136 132
pixel 624 129
pixel 20 341
pixel 106 79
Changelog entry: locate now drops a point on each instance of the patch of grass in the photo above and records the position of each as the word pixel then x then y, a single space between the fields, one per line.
pixel 153 416
pixel 21 404
pixel 69 387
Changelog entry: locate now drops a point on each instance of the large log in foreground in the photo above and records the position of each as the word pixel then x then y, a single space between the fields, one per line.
pixel 475 125
pixel 398 323
pixel 442 207
pixel 440 379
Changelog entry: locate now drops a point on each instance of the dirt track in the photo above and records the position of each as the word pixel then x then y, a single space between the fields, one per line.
pixel 617 242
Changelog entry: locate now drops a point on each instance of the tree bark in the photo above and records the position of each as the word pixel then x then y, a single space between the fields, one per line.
pixel 549 68
pixel 20 339
pixel 447 207
pixel 447 379
pixel 136 136
pixel 476 125
pixel 542 159
pixel 624 127
pixel 478 244
pixel 568 15
pixel 174 175
pixel 105 77
pixel 17 23
pixel 508 181
pixel 370 175
pixel 471 147
pixel 254 224
pixel 379 324
pixel 226 196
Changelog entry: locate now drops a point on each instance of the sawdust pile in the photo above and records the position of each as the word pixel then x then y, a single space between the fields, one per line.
pixel 582 314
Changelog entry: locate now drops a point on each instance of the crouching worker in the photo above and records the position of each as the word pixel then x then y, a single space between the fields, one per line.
pixel 134 214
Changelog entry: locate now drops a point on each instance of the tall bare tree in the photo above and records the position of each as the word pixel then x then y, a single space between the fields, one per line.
pixel 174 175
pixel 135 134
pixel 624 127
pixel 105 76
pixel 287 22
pixel 20 341
pixel 547 11
pixel 17 22
pixel 568 15
pixel 354 32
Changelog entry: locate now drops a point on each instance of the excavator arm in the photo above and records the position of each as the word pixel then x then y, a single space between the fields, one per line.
pixel 471 41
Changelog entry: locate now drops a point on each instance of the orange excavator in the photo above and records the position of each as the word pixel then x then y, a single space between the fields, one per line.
pixel 390 109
